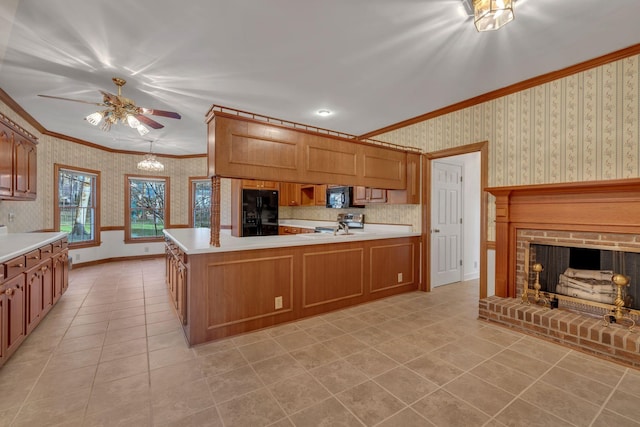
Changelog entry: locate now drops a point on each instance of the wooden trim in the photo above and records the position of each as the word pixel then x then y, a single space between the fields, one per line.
pixel 587 206
pixel 127 208
pixel 508 90
pixel 95 199
pixel 483 149
pixel 112 228
pixel 117 259
pixel 490 245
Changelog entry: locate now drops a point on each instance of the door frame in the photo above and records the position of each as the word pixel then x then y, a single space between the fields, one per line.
pixel 483 149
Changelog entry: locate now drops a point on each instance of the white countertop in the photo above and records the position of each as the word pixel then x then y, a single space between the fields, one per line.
pixel 14 244
pixel 196 240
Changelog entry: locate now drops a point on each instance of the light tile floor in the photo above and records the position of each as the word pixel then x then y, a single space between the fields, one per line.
pixel 112 353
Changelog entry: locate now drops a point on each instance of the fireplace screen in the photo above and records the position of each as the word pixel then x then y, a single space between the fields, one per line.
pixel 586 273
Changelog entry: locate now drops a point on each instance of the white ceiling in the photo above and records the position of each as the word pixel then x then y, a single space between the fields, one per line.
pixel 372 62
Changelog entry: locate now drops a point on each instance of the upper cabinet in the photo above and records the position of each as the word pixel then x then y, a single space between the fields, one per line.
pixel 18 162
pixel 242 147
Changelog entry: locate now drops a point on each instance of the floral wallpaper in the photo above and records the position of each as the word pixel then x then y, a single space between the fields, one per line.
pixel 582 127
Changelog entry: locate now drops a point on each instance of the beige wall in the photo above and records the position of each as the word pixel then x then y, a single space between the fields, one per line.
pixel 580 128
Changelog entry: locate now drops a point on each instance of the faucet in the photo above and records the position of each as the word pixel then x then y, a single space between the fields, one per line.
pixel 341 226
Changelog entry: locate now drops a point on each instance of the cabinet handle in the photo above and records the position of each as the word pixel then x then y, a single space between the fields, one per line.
pixel 9 291
pixel 35 257
pixel 20 265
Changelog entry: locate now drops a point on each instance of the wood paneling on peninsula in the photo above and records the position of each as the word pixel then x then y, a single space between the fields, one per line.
pixel 229 293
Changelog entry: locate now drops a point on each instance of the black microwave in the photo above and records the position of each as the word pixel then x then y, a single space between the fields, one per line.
pixel 341 197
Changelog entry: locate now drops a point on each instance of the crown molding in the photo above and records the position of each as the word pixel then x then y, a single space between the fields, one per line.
pixel 508 90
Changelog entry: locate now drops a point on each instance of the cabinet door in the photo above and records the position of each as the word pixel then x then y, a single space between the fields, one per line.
pixel 289 194
pixel 321 195
pixel 181 285
pixel 268 185
pixel 13 318
pixel 59 276
pixel 33 297
pixel 25 172
pixel 360 195
pixel 6 162
pixel 377 195
pixel 46 277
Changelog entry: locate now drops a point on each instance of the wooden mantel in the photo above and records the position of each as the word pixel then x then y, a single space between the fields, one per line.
pixel 612 206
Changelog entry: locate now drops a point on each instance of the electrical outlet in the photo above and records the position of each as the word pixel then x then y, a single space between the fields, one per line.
pixel 475 264
pixel 12 216
pixel 399 277
pixel 146 248
pixel 77 257
pixel 278 303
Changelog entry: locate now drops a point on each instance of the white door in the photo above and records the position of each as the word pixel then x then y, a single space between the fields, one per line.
pixel 446 223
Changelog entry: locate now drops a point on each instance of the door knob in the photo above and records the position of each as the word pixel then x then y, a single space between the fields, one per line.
pixel 436 230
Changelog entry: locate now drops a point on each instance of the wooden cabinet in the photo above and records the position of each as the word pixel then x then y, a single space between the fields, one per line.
pixel 176 276
pixel 290 194
pixel 242 147
pixel 36 280
pixel 30 285
pixel 366 195
pixel 260 185
pixel 320 195
pixel 12 318
pixel 288 229
pixel 6 162
pixel 18 162
pixel 234 292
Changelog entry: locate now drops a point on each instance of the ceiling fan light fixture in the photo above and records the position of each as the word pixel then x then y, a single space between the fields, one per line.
pixel 132 121
pixel 490 15
pixel 142 129
pixel 94 118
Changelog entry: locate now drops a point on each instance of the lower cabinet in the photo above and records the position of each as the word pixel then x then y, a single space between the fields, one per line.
pixel 39 287
pixel 176 276
pixel 12 316
pixel 36 280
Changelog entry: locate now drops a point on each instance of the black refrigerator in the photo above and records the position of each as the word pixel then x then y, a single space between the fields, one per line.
pixel 259 212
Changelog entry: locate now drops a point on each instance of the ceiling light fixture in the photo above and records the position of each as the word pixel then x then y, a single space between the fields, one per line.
pixel 490 15
pixel 324 112
pixel 149 162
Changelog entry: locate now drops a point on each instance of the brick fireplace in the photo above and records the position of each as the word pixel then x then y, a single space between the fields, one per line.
pixel 603 215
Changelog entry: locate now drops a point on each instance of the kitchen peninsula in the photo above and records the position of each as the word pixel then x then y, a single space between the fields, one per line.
pixel 249 283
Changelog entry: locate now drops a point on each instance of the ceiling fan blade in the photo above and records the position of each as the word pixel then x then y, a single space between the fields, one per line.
pixel 149 122
pixel 74 100
pixel 110 98
pixel 162 113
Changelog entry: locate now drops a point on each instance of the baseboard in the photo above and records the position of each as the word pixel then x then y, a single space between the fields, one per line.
pixel 115 259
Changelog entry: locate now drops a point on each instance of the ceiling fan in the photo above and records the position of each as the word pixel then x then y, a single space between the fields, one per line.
pixel 119 108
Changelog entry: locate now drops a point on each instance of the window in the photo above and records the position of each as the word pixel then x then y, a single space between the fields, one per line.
pixel 146 210
pixel 200 196
pixel 76 205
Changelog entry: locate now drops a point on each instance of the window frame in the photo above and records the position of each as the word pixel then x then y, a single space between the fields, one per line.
pixel 95 203
pixel 127 207
pixel 192 207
